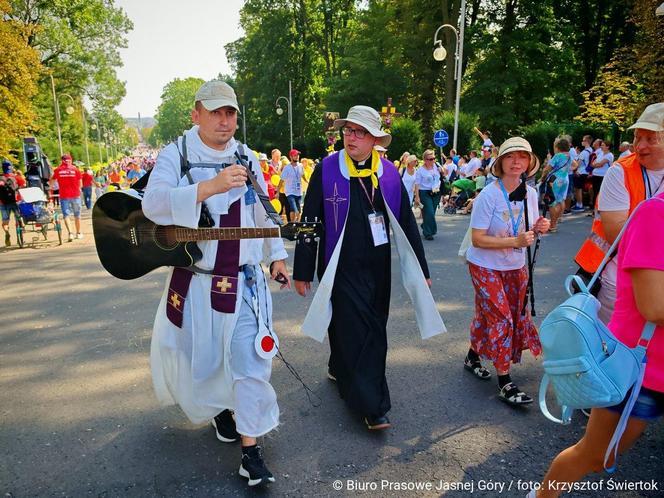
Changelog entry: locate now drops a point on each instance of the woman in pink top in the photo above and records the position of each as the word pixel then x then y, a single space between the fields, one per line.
pixel 639 289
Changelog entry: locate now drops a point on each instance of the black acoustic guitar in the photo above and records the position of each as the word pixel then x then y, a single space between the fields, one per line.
pixel 129 245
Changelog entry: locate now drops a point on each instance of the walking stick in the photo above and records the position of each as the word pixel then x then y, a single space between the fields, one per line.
pixel 521 193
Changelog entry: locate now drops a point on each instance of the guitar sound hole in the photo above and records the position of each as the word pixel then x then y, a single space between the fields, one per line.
pixel 164 237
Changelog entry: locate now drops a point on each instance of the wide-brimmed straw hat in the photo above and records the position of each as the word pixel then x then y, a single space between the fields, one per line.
pixel 368 118
pixel 515 144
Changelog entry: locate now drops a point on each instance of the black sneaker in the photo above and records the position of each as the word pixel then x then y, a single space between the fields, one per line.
pixel 8 240
pixel 253 467
pixel 224 426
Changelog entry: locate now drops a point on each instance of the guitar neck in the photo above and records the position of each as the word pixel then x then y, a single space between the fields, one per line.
pixel 194 234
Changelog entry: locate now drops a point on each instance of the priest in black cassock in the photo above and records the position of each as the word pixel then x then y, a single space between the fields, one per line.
pixel 359 197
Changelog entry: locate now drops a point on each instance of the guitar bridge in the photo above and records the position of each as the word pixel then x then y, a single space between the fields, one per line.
pixel 133 238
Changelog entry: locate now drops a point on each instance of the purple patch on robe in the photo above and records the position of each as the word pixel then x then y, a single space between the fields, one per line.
pixel 178 288
pixel 336 194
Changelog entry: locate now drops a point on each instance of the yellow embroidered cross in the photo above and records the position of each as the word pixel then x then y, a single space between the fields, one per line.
pixel 175 301
pixel 223 285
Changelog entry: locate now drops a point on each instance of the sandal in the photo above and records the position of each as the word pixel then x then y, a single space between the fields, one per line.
pixel 476 369
pixel 511 395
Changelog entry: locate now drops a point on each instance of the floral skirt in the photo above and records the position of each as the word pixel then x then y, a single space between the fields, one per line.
pixel 499 332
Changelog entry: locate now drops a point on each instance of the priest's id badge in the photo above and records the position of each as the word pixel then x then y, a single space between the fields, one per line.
pixel 378 229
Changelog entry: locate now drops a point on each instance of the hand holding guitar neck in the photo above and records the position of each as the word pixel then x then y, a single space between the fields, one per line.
pixel 227 179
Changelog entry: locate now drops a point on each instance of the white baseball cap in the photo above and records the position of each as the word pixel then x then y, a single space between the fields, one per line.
pixel 652 118
pixel 215 94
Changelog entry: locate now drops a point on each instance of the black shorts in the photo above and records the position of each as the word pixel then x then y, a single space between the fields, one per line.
pixel 580 180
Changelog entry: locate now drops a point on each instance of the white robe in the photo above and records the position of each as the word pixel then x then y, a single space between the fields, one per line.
pixel 428 318
pixel 192 366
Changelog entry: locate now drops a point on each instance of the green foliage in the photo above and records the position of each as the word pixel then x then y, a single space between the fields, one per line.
pixel 467 139
pixel 19 69
pixel 406 136
pixel 618 94
pixel 174 113
pixel 527 70
pixel 79 42
pixel 541 135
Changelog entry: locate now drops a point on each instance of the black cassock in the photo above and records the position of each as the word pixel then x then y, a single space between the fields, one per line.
pixel 361 291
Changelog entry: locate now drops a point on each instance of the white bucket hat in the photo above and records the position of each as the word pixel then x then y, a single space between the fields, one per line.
pixel 651 119
pixel 368 118
pixel 515 144
pixel 215 94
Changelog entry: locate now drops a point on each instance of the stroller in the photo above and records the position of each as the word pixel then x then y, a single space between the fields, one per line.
pixel 456 200
pixel 36 215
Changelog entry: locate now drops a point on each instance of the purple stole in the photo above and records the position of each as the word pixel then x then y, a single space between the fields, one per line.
pixel 223 290
pixel 336 195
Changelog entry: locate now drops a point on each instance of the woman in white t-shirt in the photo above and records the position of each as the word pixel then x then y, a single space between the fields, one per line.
pixel 408 177
pixel 427 193
pixel 497 265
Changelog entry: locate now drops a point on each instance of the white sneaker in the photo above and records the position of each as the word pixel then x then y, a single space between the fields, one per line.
pixel 79 235
pixel 71 237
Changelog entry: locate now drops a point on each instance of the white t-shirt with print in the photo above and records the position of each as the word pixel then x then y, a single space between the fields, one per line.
pixel 490 213
pixel 292 178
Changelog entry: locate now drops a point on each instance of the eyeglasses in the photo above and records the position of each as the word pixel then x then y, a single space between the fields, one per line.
pixel 429 158
pixel 358 132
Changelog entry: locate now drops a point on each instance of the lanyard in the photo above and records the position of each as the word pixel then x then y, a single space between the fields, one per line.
pixel 373 191
pixel 517 222
pixel 646 182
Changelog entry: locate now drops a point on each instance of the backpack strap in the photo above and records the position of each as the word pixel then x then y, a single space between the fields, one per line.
pixel 622 422
pixel 262 196
pixel 566 415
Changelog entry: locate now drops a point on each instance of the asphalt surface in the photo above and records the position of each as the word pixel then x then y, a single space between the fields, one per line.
pixel 79 417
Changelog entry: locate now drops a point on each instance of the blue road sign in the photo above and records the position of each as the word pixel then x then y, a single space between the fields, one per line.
pixel 440 138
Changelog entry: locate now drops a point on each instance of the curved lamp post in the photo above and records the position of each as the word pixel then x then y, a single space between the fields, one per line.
pixel 280 111
pixel 439 54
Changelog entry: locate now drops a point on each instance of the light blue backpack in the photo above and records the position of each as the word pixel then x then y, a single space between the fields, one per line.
pixel 584 362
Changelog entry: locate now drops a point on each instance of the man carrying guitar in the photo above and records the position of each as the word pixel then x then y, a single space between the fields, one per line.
pixel 212 343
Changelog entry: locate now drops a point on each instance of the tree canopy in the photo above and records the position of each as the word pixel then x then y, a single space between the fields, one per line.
pixel 524 62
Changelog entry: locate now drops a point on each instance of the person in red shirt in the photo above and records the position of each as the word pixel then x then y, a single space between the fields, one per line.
pixel 88 180
pixel 268 171
pixel 69 177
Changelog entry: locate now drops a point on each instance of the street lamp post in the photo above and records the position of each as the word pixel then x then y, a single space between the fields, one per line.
pixel 95 126
pixel 85 134
pixel 280 111
pixel 56 105
pixel 439 53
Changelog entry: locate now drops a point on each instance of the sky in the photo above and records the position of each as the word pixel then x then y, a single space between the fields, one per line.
pixel 173 39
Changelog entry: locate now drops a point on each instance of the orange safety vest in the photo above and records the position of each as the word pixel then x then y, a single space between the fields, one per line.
pixel 595 247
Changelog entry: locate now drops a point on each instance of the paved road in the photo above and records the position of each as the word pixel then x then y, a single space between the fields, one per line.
pixel 79 418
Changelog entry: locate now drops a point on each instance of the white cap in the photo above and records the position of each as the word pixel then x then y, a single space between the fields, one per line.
pixel 651 119
pixel 262 157
pixel 215 94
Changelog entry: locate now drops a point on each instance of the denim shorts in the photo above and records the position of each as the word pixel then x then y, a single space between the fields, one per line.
pixel 7 209
pixel 294 202
pixel 649 405
pixel 71 206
